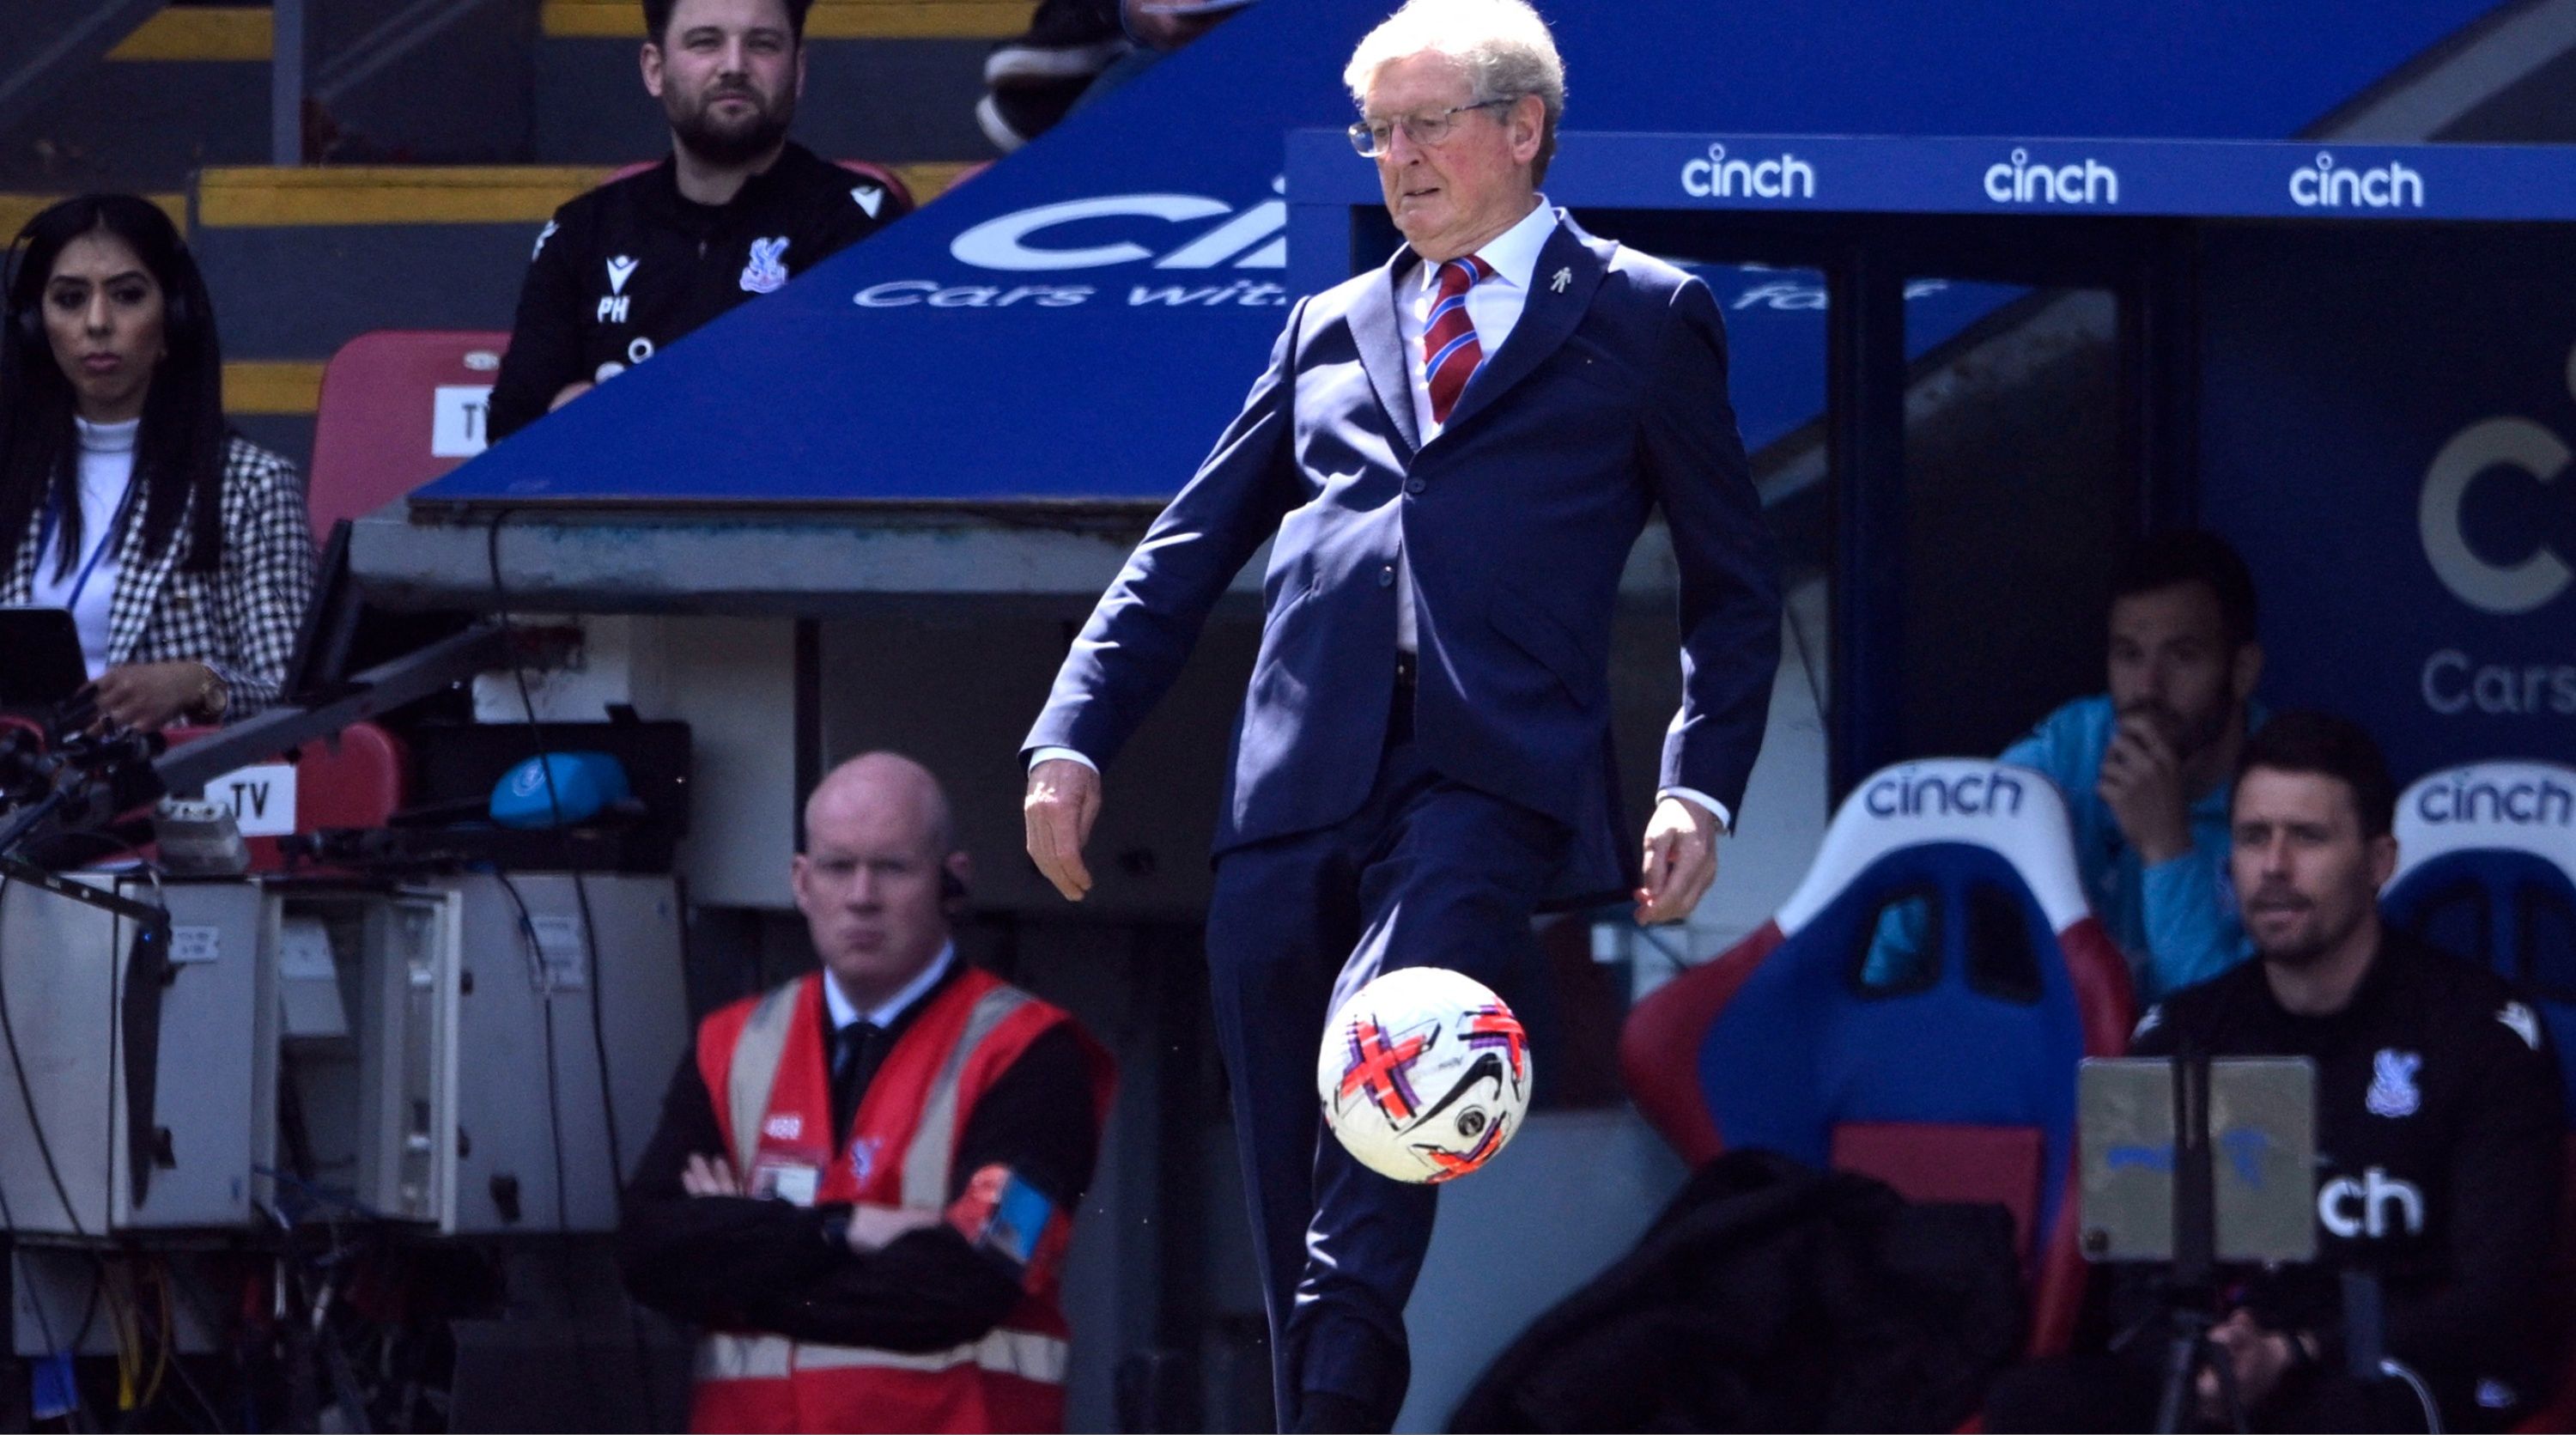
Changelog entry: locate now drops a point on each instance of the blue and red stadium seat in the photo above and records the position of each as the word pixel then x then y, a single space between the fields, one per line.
pixel 2487 870
pixel 1914 1012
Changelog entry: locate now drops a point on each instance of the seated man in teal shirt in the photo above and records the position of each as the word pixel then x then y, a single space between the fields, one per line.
pixel 2145 767
pixel 2146 770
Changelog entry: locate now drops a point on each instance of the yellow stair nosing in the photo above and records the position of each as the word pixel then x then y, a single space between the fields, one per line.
pixel 247 197
pixel 828 20
pixel 255 197
pixel 272 386
pixel 17 208
pixel 237 33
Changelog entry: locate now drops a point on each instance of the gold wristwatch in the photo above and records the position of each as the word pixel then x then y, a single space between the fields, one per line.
pixel 213 696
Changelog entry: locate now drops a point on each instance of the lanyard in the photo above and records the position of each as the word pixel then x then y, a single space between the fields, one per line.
pixel 115 527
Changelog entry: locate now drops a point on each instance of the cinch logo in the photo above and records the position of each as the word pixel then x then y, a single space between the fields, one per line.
pixel 1973 794
pixel 2018 181
pixel 1717 177
pixel 2321 185
pixel 1027 241
pixel 2351 1208
pixel 2533 452
pixel 2526 804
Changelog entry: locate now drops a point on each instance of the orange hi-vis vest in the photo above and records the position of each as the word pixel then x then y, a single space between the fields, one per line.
pixel 764 1062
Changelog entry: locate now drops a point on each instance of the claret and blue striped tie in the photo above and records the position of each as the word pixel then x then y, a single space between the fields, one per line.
pixel 1450 353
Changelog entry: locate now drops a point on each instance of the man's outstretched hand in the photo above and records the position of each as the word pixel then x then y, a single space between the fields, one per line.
pixel 1680 861
pixel 1062 802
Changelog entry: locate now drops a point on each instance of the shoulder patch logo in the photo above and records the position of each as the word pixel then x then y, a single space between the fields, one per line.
pixel 2392 1083
pixel 620 269
pixel 542 236
pixel 868 197
pixel 767 271
pixel 2520 1020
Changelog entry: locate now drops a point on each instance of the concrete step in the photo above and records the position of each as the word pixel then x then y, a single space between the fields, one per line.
pixel 185 89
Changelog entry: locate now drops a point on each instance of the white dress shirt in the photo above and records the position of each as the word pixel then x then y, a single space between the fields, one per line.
pixel 1494 305
pixel 845 1011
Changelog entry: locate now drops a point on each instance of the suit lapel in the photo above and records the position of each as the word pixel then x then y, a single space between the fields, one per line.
pixel 1547 319
pixel 1380 341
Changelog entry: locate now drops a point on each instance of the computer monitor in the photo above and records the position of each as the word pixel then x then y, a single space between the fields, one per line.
pixel 343 634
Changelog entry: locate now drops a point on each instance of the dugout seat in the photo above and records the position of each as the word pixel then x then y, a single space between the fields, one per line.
pixel 2486 869
pixel 399 407
pixel 358 778
pixel 1914 1012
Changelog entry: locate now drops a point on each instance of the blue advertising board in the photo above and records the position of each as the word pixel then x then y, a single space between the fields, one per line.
pixel 1078 323
pixel 2387 428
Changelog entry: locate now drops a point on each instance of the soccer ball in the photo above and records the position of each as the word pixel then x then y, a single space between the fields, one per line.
pixel 1424 1075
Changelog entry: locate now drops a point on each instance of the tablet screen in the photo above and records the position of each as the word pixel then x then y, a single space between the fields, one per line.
pixel 40 657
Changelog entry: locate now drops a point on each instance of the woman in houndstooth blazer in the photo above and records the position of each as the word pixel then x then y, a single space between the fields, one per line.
pixel 181 548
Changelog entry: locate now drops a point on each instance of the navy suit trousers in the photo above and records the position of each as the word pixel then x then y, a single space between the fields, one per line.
pixel 1429 872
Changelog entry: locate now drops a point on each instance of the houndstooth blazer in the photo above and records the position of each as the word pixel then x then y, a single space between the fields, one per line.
pixel 240 620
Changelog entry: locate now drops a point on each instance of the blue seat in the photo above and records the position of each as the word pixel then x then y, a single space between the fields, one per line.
pixel 2486 858
pixel 2486 869
pixel 1914 1012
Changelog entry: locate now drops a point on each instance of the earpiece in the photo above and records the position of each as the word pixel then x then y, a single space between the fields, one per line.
pixel 952 889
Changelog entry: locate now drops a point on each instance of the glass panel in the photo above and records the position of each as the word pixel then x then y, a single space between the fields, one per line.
pixel 2017 501
pixel 2000 959
pixel 1902 951
pixel 2548 942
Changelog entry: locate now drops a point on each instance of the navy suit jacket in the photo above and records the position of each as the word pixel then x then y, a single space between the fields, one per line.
pixel 1607 401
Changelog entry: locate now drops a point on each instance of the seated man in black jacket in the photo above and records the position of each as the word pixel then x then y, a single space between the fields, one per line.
pixel 735 210
pixel 864 1180
pixel 2439 1136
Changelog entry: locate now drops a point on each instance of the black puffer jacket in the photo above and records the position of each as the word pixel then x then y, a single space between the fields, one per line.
pixel 1770 1296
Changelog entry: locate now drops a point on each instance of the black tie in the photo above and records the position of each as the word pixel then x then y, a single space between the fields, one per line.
pixel 857 1051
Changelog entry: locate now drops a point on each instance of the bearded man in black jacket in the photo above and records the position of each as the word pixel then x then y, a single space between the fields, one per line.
pixel 2439 1137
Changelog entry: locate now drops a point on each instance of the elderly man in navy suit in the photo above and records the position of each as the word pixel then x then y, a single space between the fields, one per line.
pixel 1454 454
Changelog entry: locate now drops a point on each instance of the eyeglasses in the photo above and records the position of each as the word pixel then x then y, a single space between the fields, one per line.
pixel 1430 127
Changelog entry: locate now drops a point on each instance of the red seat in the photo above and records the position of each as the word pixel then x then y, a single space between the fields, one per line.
pixel 359 778
pixel 399 407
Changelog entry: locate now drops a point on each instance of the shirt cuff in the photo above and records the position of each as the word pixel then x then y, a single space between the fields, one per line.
pixel 1050 754
pixel 1706 803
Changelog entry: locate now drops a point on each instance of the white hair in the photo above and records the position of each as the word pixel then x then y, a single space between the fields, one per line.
pixel 1503 45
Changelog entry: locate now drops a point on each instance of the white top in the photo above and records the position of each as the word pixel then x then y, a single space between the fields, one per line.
pixel 89 590
pixel 882 1015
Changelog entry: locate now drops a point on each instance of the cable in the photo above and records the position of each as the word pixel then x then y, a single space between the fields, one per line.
pixel 2432 1412
pixel 590 947
pixel 543 978
pixel 27 1095
pixel 9 1218
pixel 580 887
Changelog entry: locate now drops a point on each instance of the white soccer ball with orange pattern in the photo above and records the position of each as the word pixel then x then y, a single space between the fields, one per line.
pixel 1425 1074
